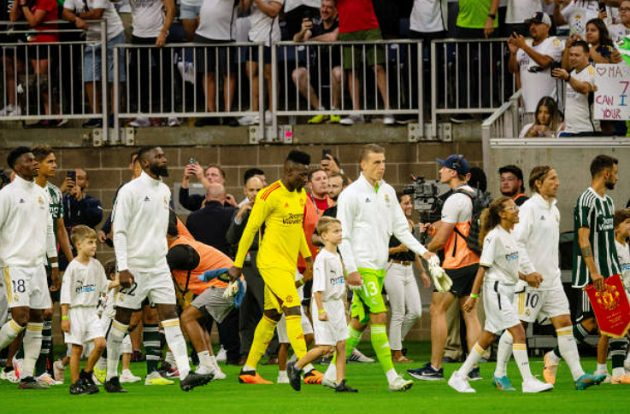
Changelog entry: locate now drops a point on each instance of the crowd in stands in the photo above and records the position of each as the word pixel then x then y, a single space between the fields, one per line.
pixel 537 48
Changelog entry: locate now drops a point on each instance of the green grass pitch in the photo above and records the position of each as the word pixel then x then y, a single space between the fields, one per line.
pixel 228 396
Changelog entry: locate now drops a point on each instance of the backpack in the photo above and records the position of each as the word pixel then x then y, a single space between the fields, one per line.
pixel 480 201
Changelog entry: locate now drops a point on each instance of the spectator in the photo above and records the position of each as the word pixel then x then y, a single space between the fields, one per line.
pixel 79 207
pixel 330 164
pixel 77 12
pixel 252 172
pixel 37 13
pixel 576 14
pixel 295 11
pixel 151 22
pixel 511 183
pixel 621 29
pixel 253 302
pixel 10 57
pixel 212 174
pixel 264 28
pixel 517 12
pixel 210 224
pixel 316 203
pixel 602 48
pixel 189 12
pixel 578 117
pixel 546 120
pixel 357 22
pixel 217 20
pixel 388 16
pixel 336 184
pixel 325 29
pixel 531 60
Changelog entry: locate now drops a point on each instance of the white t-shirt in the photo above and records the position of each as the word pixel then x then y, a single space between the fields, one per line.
pixel 537 82
pixel 458 208
pixel 264 28
pixel 148 17
pixel 579 12
pixel 83 284
pixel 500 256
pixel 623 253
pixel 193 3
pixel 429 16
pixel 114 24
pixel 217 19
pixel 618 31
pixel 527 127
pixel 577 109
pixel 328 276
pixel 520 10
pixel 294 4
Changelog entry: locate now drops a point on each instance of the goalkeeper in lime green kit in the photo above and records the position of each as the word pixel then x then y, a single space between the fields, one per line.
pixel 369 213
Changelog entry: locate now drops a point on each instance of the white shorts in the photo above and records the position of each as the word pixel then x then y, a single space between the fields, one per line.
pixel 26 287
pixel 333 330
pixel 106 323
pixel 85 326
pixel 498 304
pixel 307 328
pixel 212 302
pixel 541 305
pixel 157 286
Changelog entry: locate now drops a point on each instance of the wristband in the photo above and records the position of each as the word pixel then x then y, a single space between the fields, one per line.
pixel 65 318
pixel 569 78
pixel 492 16
pixel 474 296
pixel 54 264
pixel 321 311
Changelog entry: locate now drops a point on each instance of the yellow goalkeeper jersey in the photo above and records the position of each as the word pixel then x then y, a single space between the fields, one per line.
pixel 282 213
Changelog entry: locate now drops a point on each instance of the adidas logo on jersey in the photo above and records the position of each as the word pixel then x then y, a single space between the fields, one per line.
pixel 147 198
pixel 542 218
pixel 367 200
pixel 22 201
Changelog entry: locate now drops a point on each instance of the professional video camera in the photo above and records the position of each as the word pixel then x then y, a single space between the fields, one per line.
pixel 424 194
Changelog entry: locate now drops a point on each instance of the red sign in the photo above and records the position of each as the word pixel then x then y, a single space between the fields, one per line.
pixel 611 307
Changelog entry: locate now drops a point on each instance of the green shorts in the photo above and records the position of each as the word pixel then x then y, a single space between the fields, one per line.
pixel 372 58
pixel 369 298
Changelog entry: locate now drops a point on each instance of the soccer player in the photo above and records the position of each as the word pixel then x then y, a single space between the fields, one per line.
pixel 83 283
pixel 498 274
pixel 26 239
pixel 280 207
pixel 622 232
pixel 140 220
pixel 595 259
pixel 540 297
pixel 329 293
pixel 369 213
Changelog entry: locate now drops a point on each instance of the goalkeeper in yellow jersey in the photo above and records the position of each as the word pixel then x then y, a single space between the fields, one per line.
pixel 280 208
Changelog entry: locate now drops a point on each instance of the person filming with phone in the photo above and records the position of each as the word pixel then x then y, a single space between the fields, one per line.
pixel 532 59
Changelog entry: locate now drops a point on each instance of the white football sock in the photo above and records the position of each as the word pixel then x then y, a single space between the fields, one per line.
pixel 204 360
pixel 101 363
pixel 473 358
pixel 9 332
pixel 569 351
pixel 522 360
pixel 32 343
pixel 308 368
pixel 114 343
pixel 176 342
pixel 504 353
pixel 170 358
pixel 602 367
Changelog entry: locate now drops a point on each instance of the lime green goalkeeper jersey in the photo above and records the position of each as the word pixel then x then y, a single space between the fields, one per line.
pixel 474 13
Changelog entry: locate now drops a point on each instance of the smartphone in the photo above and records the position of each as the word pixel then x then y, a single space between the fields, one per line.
pixel 555 65
pixel 326 153
pixel 602 6
pixel 73 175
pixel 191 160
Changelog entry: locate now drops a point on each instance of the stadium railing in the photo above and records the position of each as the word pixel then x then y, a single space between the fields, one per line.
pixel 469 76
pixel 64 78
pixel 400 59
pixel 185 78
pixel 505 122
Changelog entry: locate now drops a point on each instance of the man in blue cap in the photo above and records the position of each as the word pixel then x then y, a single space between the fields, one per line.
pixel 460 264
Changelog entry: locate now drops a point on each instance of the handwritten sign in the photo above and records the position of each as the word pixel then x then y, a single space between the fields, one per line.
pixel 612 99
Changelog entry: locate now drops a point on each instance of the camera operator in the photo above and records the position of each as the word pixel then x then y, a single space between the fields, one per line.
pixel 531 60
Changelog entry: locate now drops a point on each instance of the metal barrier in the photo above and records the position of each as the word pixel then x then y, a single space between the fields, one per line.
pixel 55 91
pixel 505 122
pixel 328 65
pixel 185 80
pixel 469 76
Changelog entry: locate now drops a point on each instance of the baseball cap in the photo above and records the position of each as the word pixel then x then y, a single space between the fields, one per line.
pixel 455 162
pixel 539 17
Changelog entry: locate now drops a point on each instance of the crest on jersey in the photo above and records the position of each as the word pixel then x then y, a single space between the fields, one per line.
pixel 286 205
pixel 289 299
pixel 387 198
pixel 40 200
pixel 301 202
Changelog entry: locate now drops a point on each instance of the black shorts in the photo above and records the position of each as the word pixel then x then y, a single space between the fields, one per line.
pixel 583 310
pixel 463 279
pixel 206 58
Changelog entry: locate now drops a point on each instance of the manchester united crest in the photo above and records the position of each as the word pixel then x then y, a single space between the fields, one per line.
pixel 609 298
